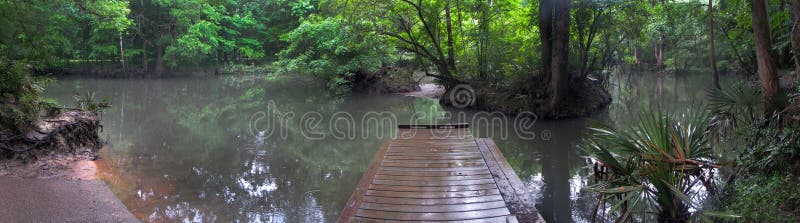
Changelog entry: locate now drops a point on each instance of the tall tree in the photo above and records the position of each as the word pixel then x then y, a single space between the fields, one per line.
pixel 796 36
pixel 560 77
pixel 766 62
pixel 713 61
pixel 545 33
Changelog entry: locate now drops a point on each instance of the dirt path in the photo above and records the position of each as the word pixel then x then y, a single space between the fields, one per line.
pixel 60 188
pixel 433 91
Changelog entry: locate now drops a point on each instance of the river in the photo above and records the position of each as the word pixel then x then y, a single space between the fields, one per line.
pixel 246 149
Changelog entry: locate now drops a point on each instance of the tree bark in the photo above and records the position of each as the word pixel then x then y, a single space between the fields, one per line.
pixel 560 76
pixel 713 61
pixel 451 55
pixel 545 31
pixel 766 62
pixel 796 37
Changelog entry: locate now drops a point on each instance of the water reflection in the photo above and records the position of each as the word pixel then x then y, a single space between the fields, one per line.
pixel 181 149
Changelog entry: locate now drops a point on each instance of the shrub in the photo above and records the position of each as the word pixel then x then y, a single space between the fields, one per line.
pixel 333 50
pixel 21 101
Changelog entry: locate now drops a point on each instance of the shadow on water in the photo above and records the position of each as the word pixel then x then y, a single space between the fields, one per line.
pixel 182 149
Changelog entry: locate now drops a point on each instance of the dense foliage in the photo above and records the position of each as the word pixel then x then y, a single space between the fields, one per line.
pixel 21 99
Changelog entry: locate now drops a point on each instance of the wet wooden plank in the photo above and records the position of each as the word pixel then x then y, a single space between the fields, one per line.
pixel 434 126
pixel 434 209
pixel 433 165
pixel 430 169
pixel 451 188
pixel 442 175
pixel 433 183
pixel 448 157
pixel 440 201
pixel 471 193
pixel 501 219
pixel 447 216
pixel 434 178
pixel 514 192
pixel 433 173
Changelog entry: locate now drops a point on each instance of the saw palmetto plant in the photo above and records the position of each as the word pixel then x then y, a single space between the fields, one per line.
pixel 657 169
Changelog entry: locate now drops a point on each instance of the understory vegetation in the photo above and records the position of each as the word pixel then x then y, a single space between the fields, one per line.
pixel 664 168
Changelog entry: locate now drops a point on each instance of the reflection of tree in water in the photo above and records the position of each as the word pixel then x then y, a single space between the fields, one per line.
pixel 187 154
pixel 181 148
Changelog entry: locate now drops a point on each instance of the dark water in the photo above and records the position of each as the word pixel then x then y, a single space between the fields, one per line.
pixel 197 149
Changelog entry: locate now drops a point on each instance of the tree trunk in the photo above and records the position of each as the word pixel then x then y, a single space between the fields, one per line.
pixel 159 60
pixel 144 56
pixel 122 53
pixel 713 61
pixel 560 76
pixel 451 55
pixel 545 31
pixel 766 62
pixel 658 50
pixel 796 37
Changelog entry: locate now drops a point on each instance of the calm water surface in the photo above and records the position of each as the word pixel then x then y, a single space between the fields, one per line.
pixel 182 149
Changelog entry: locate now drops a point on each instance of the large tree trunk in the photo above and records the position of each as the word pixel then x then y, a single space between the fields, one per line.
pixel 713 61
pixel 796 37
pixel 545 31
pixel 560 76
pixel 451 55
pixel 766 62
pixel 658 50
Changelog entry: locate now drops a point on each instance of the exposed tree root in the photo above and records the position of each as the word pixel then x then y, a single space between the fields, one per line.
pixel 64 132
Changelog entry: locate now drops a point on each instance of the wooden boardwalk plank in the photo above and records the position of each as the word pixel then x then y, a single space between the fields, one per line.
pixel 434 209
pixel 439 201
pixel 442 175
pixel 447 216
pixel 430 189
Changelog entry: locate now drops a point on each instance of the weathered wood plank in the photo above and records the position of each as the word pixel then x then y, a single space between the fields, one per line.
pixel 434 154
pixel 501 219
pixel 434 178
pixel 434 161
pixel 472 193
pixel 434 209
pixel 453 157
pixel 433 165
pixel 463 168
pixel 434 126
pixel 451 188
pixel 433 173
pixel 432 183
pixel 437 201
pixel 449 216
pixel 512 189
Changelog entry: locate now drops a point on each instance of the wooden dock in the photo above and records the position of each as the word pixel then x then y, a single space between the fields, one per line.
pixel 439 173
